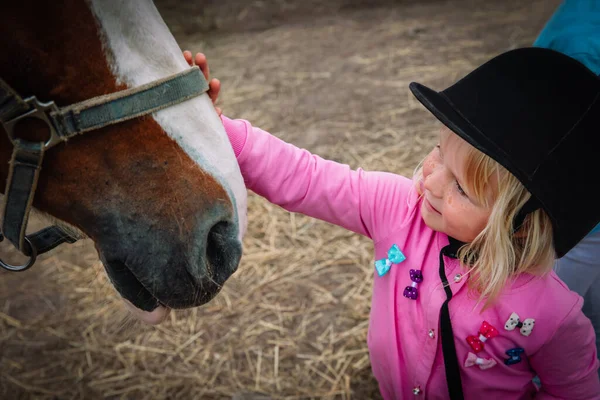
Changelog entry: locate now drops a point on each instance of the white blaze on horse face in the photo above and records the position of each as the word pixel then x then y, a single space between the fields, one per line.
pixel 141 49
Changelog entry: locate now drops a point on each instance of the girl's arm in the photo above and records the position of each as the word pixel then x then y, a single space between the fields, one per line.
pixel 369 203
pixel 567 365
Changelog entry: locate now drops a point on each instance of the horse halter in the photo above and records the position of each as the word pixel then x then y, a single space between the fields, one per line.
pixel 63 124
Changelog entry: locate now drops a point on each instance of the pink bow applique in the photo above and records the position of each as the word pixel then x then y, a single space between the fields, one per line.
pixel 483 363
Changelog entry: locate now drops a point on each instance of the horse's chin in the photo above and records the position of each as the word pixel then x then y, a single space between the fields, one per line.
pixel 153 317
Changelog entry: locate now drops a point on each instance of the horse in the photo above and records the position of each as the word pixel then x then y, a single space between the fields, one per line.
pixel 155 185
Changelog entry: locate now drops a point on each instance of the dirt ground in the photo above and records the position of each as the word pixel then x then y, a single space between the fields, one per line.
pixel 331 76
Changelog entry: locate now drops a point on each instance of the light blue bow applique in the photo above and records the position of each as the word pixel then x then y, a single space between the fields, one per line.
pixel 394 256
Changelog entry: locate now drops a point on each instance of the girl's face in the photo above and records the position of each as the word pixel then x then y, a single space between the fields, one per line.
pixel 449 206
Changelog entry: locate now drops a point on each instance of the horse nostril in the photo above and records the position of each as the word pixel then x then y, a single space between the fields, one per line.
pixel 223 251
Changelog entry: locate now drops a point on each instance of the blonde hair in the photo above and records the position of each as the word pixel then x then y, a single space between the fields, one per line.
pixel 498 254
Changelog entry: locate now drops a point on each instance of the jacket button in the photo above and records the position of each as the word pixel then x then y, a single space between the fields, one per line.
pixel 457 278
pixel 431 333
pixel 417 391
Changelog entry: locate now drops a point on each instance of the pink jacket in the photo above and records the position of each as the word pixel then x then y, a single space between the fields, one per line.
pixel 403 340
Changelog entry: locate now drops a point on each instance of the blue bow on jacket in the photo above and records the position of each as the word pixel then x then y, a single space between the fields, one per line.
pixel 394 256
pixel 515 356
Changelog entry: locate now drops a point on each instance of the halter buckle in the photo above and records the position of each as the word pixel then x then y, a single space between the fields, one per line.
pixel 40 111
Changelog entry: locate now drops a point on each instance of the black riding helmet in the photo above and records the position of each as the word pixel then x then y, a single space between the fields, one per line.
pixel 537 113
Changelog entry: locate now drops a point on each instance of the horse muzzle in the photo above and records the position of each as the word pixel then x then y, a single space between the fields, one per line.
pixel 154 269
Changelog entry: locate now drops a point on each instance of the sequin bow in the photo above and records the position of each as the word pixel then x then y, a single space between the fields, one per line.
pixel 483 363
pixel 411 291
pixel 394 256
pixel 525 327
pixel 515 356
pixel 486 332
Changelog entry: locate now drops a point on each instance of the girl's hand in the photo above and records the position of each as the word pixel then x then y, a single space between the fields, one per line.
pixel 214 85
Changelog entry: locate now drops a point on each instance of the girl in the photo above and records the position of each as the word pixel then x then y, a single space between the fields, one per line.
pixel 464 301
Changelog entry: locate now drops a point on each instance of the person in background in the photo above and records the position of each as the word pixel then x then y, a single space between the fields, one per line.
pixel 574 30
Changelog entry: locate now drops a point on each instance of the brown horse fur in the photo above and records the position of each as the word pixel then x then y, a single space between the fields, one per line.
pixel 129 187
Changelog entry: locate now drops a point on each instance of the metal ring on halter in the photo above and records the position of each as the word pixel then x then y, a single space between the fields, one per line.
pixel 29 263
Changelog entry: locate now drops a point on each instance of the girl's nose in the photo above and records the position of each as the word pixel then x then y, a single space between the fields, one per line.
pixel 435 182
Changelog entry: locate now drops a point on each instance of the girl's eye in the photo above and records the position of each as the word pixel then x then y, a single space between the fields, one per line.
pixel 460 189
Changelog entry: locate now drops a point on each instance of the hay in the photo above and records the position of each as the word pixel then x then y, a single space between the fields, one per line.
pixel 292 322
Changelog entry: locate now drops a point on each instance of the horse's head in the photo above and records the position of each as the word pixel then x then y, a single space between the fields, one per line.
pixel 161 196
